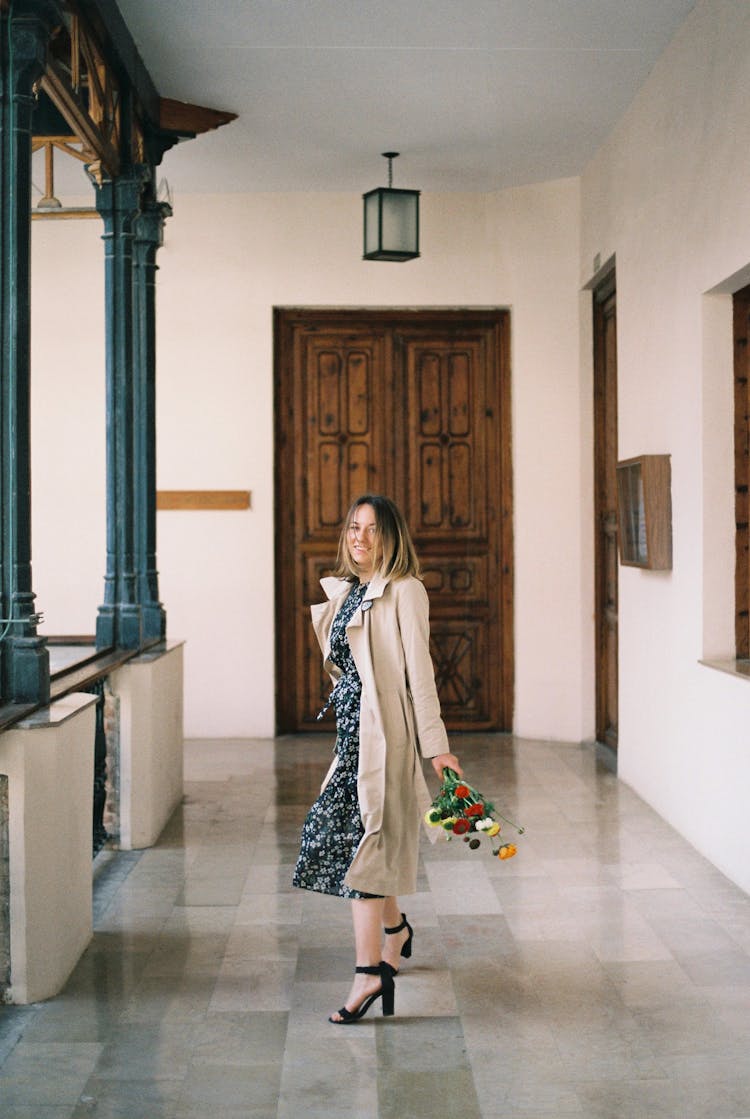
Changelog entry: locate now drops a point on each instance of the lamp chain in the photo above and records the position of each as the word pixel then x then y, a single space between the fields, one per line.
pixel 390 156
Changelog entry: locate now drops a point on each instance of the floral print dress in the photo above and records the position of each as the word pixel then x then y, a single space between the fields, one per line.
pixel 333 828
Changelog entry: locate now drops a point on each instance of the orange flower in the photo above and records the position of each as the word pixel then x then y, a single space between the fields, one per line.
pixel 474 810
pixel 462 791
pixel 507 851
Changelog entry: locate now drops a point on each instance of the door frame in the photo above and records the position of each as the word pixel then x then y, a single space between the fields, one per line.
pixel 285 319
pixel 602 293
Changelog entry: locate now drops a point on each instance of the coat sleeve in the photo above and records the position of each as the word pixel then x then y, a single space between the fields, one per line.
pixel 414 626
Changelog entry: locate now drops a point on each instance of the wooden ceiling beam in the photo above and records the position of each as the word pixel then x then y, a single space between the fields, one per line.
pixel 179 116
pixel 56 85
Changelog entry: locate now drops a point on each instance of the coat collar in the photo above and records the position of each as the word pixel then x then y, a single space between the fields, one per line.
pixel 334 587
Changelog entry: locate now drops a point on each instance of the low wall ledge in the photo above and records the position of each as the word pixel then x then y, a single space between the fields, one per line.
pixel 58 712
pixel 155 652
pixel 731 667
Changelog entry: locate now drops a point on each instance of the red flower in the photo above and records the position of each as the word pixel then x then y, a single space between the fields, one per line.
pixel 474 810
pixel 462 791
pixel 461 826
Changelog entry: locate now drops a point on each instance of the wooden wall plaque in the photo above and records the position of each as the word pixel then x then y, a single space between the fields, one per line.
pixel 202 499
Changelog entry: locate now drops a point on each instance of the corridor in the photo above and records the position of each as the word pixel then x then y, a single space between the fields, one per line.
pixel 603 973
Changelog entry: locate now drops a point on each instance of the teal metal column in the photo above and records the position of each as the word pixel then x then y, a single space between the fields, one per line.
pixel 149 234
pixel 119 621
pixel 25 27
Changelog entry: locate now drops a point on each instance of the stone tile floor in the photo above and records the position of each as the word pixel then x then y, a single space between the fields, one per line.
pixel 604 973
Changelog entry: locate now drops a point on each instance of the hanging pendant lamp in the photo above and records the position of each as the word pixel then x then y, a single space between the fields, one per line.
pixel 391 220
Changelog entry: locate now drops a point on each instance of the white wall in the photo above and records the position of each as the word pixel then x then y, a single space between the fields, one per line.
pixel 226 262
pixel 535 236
pixel 67 423
pixel 668 195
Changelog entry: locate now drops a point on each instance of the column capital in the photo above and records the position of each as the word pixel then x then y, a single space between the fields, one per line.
pixel 149 225
pixel 30 23
pixel 121 200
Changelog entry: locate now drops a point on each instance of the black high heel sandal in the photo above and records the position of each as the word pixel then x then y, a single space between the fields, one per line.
pixel 386 993
pixel 406 946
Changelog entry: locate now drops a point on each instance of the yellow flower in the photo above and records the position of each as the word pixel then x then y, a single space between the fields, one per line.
pixel 448 824
pixel 432 817
pixel 493 830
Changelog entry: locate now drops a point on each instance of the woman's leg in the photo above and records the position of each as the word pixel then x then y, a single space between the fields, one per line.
pixel 367 918
pixel 393 942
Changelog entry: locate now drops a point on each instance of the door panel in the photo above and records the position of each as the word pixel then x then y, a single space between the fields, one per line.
pixel 413 405
pixel 452 454
pixel 339 427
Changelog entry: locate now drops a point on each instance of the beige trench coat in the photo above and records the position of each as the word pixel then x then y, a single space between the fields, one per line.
pixel 399 724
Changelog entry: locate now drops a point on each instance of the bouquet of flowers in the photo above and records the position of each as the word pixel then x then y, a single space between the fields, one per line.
pixel 461 810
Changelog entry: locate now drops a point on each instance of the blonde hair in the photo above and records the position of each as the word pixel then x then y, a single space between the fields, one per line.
pixel 395 556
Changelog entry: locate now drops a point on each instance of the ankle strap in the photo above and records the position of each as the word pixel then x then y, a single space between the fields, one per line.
pixel 375 970
pixel 397 928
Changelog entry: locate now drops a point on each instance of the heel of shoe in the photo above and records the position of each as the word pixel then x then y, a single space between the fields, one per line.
pixel 388 989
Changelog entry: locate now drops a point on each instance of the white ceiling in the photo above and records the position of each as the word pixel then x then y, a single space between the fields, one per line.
pixel 477 95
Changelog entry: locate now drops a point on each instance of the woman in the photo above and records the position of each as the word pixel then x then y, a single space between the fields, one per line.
pixel 360 839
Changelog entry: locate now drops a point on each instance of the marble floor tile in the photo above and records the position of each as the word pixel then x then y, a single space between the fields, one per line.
pixel 651 983
pixel 36 1111
pixel 262 985
pixel 604 973
pixel 424 1094
pixel 240 1038
pixel 46 1074
pixel 254 1087
pixel 128 1099
pixel 464 891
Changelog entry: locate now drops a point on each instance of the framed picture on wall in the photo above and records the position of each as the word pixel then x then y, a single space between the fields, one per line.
pixel 644 512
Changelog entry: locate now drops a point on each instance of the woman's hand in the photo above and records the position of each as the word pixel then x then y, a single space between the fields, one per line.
pixel 446 761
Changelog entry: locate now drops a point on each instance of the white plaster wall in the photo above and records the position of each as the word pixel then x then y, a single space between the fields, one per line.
pixel 535 237
pixel 67 423
pixel 227 261
pixel 668 195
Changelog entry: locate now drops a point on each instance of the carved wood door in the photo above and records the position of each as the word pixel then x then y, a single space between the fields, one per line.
pixel 414 405
pixel 605 511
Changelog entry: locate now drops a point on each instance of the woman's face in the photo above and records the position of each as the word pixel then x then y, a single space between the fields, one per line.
pixel 362 540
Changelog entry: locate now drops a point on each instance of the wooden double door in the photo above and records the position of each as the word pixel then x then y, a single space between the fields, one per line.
pixel 414 405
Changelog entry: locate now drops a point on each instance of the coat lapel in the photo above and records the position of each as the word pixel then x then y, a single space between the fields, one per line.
pixel 375 590
pixel 323 613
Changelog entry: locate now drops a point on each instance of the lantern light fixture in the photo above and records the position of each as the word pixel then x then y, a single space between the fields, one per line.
pixel 391 220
